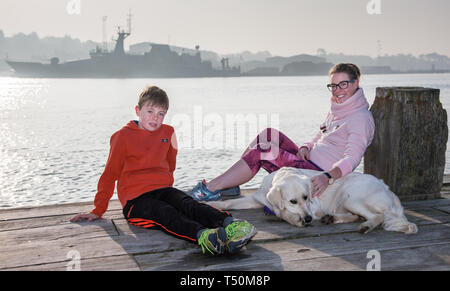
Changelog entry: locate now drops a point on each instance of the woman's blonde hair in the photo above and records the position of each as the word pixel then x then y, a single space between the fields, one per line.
pixel 351 70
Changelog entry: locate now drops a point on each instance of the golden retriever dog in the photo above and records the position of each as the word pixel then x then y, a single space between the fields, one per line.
pixel 288 194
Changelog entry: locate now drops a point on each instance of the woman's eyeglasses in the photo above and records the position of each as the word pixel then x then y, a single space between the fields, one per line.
pixel 342 85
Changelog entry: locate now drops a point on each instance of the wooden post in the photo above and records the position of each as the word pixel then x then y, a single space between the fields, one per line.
pixel 408 149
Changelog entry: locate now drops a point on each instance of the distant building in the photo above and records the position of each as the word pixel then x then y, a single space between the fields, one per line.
pixel 263 71
pixel 376 70
pixel 306 68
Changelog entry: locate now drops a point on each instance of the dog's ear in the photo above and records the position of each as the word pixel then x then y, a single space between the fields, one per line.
pixel 275 197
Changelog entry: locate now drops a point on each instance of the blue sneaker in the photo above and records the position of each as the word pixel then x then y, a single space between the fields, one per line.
pixel 201 193
pixel 231 192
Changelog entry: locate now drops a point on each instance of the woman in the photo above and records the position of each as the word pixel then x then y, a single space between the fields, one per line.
pixel 336 150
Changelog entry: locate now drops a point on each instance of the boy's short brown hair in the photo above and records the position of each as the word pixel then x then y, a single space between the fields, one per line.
pixel 155 96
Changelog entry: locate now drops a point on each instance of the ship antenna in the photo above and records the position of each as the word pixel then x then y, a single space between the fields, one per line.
pixel 129 21
pixel 105 43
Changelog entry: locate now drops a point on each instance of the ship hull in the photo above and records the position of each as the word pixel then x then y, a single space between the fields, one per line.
pixel 123 67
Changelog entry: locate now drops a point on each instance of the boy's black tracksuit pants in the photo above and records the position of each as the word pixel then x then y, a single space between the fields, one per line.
pixel 174 212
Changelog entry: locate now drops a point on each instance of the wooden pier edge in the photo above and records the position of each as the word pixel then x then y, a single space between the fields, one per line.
pixel 42 238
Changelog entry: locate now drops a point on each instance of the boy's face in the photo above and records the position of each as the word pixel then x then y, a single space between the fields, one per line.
pixel 150 116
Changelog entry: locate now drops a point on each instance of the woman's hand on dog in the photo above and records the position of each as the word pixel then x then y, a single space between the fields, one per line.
pixel 320 184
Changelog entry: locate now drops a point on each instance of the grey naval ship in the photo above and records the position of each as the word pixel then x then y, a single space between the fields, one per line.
pixel 159 62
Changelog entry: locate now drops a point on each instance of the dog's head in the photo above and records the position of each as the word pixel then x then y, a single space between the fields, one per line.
pixel 289 199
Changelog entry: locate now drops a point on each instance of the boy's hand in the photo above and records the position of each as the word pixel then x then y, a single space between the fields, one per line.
pixel 81 216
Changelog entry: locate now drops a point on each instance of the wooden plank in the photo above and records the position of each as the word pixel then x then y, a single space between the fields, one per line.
pixel 270 228
pixel 426 203
pixel 421 258
pixel 74 208
pixel 111 263
pixel 81 230
pixel 422 216
pixel 95 244
pixel 445 209
pixel 418 258
pixel 132 240
pixel 57 219
pixel 50 252
pixel 51 210
pixel 41 237
pixel 44 221
pixel 259 258
pixel 272 255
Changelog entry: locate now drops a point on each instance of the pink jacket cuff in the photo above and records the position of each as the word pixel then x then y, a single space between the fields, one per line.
pixel 345 166
pixel 307 144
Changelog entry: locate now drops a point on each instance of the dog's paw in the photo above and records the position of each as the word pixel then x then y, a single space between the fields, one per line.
pixel 364 230
pixel 327 219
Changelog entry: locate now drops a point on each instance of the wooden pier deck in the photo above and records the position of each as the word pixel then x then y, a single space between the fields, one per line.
pixel 42 238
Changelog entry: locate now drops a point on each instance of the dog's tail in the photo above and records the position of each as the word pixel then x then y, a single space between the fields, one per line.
pixel 395 219
pixel 247 202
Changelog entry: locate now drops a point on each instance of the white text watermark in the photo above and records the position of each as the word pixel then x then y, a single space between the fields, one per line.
pixel 374 7
pixel 375 260
pixel 75 260
pixel 220 131
pixel 73 7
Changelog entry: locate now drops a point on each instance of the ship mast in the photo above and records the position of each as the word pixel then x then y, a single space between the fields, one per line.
pixel 105 43
pixel 129 21
pixel 121 35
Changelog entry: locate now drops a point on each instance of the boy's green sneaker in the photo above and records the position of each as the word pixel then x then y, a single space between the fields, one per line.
pixel 239 233
pixel 213 240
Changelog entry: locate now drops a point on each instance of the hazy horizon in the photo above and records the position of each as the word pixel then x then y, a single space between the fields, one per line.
pixel 284 27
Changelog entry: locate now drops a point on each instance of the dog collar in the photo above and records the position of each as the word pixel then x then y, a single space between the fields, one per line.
pixel 268 211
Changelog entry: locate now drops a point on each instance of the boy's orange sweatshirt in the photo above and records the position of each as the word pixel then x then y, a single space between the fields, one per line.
pixel 140 161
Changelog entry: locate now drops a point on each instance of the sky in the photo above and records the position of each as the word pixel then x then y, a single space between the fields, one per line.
pixel 282 27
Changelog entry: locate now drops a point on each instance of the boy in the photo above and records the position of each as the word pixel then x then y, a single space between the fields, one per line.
pixel 142 159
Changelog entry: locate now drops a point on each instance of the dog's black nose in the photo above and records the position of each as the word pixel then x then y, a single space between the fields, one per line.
pixel 308 219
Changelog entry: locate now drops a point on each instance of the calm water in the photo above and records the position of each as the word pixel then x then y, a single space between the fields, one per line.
pixel 55 133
